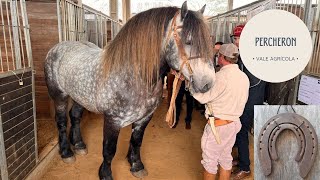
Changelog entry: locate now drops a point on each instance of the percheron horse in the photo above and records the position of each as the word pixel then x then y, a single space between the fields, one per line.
pixel 123 81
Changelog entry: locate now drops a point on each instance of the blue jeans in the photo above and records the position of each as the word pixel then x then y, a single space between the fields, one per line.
pixel 178 102
pixel 256 97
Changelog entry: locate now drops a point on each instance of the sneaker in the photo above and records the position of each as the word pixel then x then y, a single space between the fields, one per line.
pixel 241 175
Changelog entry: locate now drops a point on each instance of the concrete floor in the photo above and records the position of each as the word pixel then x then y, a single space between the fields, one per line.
pixel 166 153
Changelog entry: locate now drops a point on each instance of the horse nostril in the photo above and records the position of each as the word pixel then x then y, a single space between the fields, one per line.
pixel 205 88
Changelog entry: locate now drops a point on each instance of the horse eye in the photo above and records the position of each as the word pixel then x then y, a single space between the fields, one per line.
pixel 188 43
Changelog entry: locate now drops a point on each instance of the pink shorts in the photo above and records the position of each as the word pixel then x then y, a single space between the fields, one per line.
pixel 213 153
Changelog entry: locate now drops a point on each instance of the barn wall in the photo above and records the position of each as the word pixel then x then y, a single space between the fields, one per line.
pixel 17 124
pixel 287 147
pixel 44 35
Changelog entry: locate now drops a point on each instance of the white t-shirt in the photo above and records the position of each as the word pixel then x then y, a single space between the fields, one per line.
pixel 228 96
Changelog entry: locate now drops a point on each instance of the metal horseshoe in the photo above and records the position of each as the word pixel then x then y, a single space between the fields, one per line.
pixel 305 133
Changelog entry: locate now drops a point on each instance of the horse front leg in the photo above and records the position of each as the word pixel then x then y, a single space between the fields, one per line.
pixel 133 156
pixel 111 132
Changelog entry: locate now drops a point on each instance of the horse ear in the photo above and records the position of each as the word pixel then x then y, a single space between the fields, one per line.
pixel 202 9
pixel 184 10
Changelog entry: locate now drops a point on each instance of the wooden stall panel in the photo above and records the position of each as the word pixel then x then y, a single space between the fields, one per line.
pixel 17 118
pixel 44 35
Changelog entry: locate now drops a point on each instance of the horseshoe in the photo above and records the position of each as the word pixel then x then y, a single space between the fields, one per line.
pixel 305 133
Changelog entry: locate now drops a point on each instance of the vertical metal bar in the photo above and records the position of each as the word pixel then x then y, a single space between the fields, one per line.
pixel 224 29
pixel 4 37
pixel 101 30
pixel 65 32
pixel 112 33
pixel 105 31
pixel 26 32
pixel 1 59
pixel 15 35
pixel 68 21
pixel 20 35
pixel 295 11
pixel 59 20
pixel 10 38
pixel 30 64
pixel 3 158
pixel 96 28
pixel 300 9
pixel 307 13
pixel 218 29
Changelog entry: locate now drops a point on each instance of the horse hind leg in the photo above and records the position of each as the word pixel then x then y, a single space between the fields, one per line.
pixel 137 168
pixel 61 119
pixel 75 135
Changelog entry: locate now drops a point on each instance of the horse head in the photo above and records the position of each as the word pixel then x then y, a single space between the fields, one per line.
pixel 188 49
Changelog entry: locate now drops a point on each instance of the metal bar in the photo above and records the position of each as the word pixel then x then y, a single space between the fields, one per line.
pixel 96 28
pixel 59 20
pixel 20 36
pixel 8 21
pixel 64 12
pixel 101 30
pixel 300 9
pixel 15 35
pixel 26 32
pixel 3 159
pixel 1 59
pixel 4 38
pixel 295 11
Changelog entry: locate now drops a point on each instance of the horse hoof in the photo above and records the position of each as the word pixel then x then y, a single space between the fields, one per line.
pixel 69 160
pixel 140 174
pixel 81 152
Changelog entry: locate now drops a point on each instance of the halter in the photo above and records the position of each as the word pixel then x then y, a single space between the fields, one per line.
pixel 182 53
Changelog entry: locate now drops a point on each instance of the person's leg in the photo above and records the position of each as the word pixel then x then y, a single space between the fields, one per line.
pixel 179 103
pixel 170 79
pixel 208 176
pixel 189 100
pixel 210 154
pixel 229 133
pixel 224 174
pixel 243 140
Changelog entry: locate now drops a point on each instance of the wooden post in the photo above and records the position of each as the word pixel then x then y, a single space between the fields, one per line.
pixel 113 9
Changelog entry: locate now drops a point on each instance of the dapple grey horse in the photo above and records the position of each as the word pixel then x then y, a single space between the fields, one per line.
pixel 123 81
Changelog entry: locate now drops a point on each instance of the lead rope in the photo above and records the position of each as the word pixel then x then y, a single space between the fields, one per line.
pixel 171 114
pixel 178 78
pixel 213 127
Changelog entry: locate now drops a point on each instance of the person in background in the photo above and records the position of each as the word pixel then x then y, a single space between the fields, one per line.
pixel 256 97
pixel 216 48
pixel 225 102
pixel 189 101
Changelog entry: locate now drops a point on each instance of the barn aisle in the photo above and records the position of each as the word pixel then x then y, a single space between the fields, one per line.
pixel 166 153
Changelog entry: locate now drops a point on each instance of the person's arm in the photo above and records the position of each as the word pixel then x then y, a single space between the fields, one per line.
pixel 217 89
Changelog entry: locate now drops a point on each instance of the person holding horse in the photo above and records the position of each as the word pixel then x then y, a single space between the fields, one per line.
pixel 256 97
pixel 225 102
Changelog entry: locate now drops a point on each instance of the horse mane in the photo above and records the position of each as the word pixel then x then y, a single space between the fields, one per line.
pixel 138 45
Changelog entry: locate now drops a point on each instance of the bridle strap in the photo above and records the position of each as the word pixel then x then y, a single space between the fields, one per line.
pixel 182 53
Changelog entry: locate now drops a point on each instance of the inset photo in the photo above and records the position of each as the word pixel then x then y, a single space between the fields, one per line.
pixel 286 140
